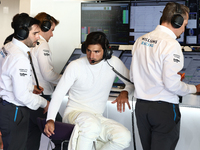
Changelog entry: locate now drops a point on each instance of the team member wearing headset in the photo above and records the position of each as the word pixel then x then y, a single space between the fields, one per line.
pixel 156 61
pixel 47 77
pixel 88 81
pixel 18 95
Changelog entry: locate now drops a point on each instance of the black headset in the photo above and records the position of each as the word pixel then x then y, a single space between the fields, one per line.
pixel 107 52
pixel 46 25
pixel 177 19
pixel 22 32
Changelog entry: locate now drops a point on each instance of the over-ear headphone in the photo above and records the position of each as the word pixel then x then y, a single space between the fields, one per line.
pixel 177 19
pixel 46 25
pixel 22 32
pixel 107 51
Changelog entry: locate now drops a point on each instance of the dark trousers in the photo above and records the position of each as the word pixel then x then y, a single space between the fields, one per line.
pixel 34 134
pixel 14 122
pixel 158 124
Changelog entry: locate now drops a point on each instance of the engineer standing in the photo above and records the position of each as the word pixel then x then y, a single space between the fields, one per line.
pixel 46 76
pixel 16 88
pixel 157 60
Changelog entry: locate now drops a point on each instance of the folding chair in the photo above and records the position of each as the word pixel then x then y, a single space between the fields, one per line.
pixel 62 131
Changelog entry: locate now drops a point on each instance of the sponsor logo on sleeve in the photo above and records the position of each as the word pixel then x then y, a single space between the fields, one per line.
pixel 23 72
pixel 176 58
pixel 46 52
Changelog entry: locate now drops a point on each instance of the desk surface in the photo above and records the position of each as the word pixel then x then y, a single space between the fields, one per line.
pixel 190 100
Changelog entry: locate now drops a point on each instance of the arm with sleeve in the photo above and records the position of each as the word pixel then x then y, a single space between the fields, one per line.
pixel 68 78
pixel 173 63
pixel 22 92
pixel 45 63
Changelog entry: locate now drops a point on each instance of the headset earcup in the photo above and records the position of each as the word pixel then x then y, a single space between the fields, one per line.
pixel 46 26
pixel 22 33
pixel 107 54
pixel 177 21
pixel 83 48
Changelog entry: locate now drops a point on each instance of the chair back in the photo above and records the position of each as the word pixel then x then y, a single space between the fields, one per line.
pixel 62 130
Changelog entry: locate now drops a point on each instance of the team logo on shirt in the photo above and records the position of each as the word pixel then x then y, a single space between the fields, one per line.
pixel 23 72
pixel 176 58
pixel 46 52
pixel 148 42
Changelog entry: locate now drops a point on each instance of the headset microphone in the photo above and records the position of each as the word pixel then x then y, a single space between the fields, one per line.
pixel 93 61
pixel 38 43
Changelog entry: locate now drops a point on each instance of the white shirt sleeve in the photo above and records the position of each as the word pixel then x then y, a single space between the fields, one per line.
pixel 45 64
pixel 21 81
pixel 172 64
pixel 67 80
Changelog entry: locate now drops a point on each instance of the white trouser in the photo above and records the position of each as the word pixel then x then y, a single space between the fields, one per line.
pixel 93 127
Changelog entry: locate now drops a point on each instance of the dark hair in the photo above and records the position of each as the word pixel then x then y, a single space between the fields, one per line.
pixel 97 38
pixel 8 39
pixel 22 20
pixel 171 9
pixel 44 17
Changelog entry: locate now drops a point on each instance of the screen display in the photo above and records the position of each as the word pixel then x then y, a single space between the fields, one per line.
pixel 126 58
pixel 191 67
pixel 112 18
pixel 192 35
pixel 142 22
pixel 77 53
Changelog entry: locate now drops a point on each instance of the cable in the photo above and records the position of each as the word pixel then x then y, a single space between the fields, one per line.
pixel 119 73
pixel 34 71
pixel 133 129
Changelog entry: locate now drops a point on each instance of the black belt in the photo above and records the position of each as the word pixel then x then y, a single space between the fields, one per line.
pixel 4 102
pixel 149 101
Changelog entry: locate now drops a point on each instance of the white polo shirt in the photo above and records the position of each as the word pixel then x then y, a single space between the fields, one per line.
pixel 47 77
pixel 15 76
pixel 157 58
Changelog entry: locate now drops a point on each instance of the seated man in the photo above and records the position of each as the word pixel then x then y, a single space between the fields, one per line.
pixel 88 81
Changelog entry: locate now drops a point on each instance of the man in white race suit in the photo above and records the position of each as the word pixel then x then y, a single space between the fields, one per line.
pixel 88 82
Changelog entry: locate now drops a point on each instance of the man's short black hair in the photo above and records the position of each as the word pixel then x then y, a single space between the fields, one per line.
pixel 97 38
pixel 23 20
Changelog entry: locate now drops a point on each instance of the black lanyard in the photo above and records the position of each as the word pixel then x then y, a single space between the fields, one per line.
pixel 31 62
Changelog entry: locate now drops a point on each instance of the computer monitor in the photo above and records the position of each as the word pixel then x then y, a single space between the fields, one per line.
pixel 145 16
pixel 77 53
pixel 192 32
pixel 126 58
pixel 112 18
pixel 191 67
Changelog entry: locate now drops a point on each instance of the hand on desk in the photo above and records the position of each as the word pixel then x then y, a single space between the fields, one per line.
pixel 121 100
pixel 49 128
